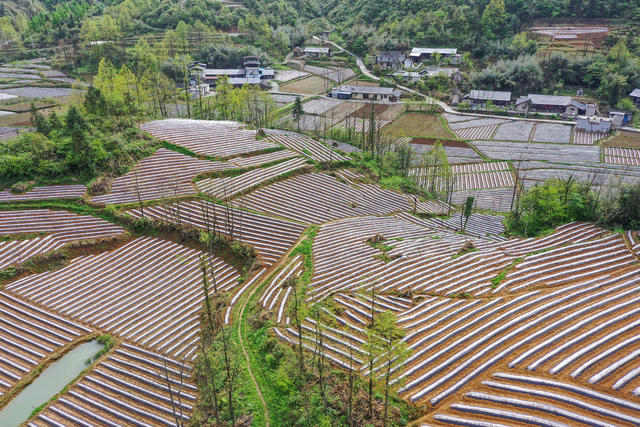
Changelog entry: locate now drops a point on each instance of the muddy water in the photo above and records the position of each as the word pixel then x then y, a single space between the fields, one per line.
pixel 50 382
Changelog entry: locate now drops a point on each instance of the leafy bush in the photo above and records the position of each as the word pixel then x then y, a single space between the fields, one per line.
pixel 547 206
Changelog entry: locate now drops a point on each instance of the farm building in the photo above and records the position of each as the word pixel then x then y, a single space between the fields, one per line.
pixel 635 97
pixel 316 52
pixel 391 60
pixel 594 124
pixel 620 117
pixel 419 54
pixel 481 97
pixel 371 93
pixel 550 104
pixel 453 73
pixel 407 76
pixel 252 73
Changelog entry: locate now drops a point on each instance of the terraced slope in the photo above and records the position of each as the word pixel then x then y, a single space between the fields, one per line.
pixel 270 237
pixel 148 291
pixel 164 174
pixel 208 138
pixel 28 336
pixel 132 386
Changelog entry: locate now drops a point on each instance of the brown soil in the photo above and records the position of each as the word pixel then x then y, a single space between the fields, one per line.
pixel 364 112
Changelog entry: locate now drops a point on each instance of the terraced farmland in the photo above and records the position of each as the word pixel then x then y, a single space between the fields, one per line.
pixel 52 230
pixel 570 305
pixel 29 335
pixel 208 138
pixel 132 386
pixel 471 176
pixel 130 294
pixel 45 193
pixel 271 237
pixel 165 174
pixel 316 198
pixel 304 145
pixel 229 187
pixel 622 156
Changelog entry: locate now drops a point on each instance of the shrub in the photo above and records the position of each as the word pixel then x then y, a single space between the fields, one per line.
pixel 21 187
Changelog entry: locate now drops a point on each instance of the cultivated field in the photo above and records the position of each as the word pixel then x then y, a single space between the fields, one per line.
pixel 44 193
pixel 270 237
pixel 207 138
pixel 624 140
pixel 304 145
pixel 128 293
pixel 312 85
pixel 165 174
pixel 132 386
pixel 29 336
pixel 420 125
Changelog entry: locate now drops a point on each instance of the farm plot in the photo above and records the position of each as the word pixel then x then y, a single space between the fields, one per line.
pixel 311 85
pixel 337 74
pixel 41 92
pixel 308 122
pixel 588 138
pixel 317 198
pixel 29 335
pixel 261 159
pixel 471 176
pixel 455 154
pixel 541 152
pixel 62 226
pixel 342 110
pixel 229 187
pixel 282 99
pixel 287 75
pixel 506 397
pixel 343 255
pixel 477 123
pixel 304 145
pixel 497 200
pixel 320 106
pixel 148 291
pixel 165 174
pixel 208 138
pixel 482 132
pixel 606 254
pixel 622 156
pixel 357 124
pixel 514 131
pixel 455 118
pixel 44 193
pixel 479 225
pixel 270 237
pixel 130 387
pixel 551 132
pixel 415 124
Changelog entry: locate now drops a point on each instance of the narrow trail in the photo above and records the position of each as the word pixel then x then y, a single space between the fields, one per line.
pixel 240 316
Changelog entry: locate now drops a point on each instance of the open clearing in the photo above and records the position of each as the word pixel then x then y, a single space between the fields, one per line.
pixel 420 125
pixel 312 85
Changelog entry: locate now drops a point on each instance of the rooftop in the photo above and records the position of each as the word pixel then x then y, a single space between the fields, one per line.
pixel 316 49
pixel 635 93
pixel 490 95
pixel 369 89
pixel 538 99
pixel 417 51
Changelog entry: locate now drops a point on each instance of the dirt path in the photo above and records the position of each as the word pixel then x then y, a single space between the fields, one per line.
pixel 240 316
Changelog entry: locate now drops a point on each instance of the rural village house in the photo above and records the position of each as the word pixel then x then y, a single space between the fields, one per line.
pixel 453 73
pixel 620 117
pixel 635 97
pixel 391 60
pixel 419 54
pixel 481 97
pixel 371 93
pixel 553 104
pixel 251 74
pixel 594 124
pixel 316 52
